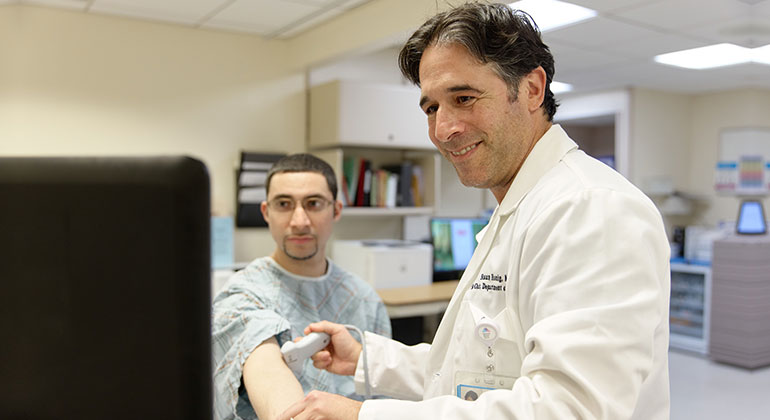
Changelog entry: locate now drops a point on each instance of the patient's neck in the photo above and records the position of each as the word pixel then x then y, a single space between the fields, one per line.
pixel 315 266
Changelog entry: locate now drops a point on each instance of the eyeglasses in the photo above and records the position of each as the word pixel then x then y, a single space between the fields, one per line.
pixel 310 204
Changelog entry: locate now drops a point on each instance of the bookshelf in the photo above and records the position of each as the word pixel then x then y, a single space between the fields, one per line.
pixel 379 123
pixel 428 161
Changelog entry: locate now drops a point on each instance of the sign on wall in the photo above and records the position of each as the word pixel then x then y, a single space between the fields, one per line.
pixel 743 166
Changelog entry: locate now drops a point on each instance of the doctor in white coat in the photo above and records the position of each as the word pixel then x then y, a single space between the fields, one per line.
pixel 562 312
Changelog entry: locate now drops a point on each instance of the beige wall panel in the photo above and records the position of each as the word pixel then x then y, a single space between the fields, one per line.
pixel 99 85
pixel 711 114
pixel 660 124
pixel 370 27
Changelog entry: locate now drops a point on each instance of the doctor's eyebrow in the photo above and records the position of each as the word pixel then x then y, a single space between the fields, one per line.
pixel 452 89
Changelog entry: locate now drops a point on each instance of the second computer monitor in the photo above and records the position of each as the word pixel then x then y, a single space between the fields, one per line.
pixel 454 241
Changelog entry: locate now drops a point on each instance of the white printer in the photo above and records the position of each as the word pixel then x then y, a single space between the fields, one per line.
pixel 386 264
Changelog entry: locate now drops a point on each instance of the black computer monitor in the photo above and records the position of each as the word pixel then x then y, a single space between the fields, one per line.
pixel 454 240
pixel 105 288
pixel 751 218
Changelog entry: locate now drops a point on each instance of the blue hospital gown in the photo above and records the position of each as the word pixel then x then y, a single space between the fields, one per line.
pixel 264 300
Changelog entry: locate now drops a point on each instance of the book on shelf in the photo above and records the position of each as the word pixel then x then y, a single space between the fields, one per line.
pixel 344 191
pixel 363 195
pixel 392 190
pixel 395 185
pixel 350 168
pixel 404 170
pixel 417 186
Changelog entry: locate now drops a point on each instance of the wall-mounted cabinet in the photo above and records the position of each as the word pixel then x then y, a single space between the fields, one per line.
pixel 381 125
pixel 348 113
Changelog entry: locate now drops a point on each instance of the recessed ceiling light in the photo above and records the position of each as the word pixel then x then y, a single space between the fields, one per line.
pixel 552 14
pixel 559 87
pixel 718 55
pixel 761 54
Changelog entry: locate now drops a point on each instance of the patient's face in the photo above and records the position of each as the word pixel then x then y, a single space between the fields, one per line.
pixel 300 212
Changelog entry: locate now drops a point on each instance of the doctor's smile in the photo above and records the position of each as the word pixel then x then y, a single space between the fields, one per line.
pixel 464 151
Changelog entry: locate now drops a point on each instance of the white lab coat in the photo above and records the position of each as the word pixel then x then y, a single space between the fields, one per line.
pixel 583 315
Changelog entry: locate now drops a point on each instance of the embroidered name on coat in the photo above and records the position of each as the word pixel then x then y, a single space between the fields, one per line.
pixel 491 282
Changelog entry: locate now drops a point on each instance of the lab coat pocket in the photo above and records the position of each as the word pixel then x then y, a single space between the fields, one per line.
pixel 502 357
pixel 508 349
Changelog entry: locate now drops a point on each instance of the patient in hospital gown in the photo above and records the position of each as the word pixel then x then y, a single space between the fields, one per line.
pixel 264 300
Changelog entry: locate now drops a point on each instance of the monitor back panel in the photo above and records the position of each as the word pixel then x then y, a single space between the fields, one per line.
pixel 104 288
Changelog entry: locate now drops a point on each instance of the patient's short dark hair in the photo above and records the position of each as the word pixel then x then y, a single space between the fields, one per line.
pixel 303 162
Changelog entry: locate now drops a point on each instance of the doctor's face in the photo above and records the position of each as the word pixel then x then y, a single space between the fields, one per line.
pixel 473 119
pixel 300 212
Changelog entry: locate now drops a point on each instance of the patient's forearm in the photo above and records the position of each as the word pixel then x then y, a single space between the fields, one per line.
pixel 271 385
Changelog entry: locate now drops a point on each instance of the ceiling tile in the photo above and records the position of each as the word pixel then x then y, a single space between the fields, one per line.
pixel 178 11
pixel 676 15
pixel 569 58
pixel 328 4
pixel 662 77
pixel 594 32
pixel 746 31
pixel 601 77
pixel 262 16
pixel 316 19
pixel 761 9
pixel 65 4
pixel 652 45
pixel 316 3
pixel 603 6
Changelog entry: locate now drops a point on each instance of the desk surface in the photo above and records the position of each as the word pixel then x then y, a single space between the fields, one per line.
pixel 435 292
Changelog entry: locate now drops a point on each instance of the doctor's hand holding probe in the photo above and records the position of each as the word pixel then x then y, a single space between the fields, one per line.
pixel 339 357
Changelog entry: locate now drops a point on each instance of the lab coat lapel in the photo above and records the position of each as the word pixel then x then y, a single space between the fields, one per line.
pixel 444 333
pixel 548 151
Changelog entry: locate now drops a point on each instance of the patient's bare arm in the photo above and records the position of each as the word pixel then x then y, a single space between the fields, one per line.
pixel 271 385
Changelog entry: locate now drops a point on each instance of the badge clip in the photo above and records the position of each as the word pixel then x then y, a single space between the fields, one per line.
pixel 486 329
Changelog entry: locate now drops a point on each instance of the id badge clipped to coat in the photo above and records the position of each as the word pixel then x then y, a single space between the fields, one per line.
pixel 470 385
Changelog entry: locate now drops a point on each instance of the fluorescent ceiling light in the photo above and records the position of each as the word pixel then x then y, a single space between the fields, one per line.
pixel 559 87
pixel 552 14
pixel 761 54
pixel 718 55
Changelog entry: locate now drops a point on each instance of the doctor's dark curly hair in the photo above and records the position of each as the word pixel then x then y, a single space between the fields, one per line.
pixel 507 39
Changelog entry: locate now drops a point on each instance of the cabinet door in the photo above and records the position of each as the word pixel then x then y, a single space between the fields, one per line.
pixel 369 115
pixel 690 306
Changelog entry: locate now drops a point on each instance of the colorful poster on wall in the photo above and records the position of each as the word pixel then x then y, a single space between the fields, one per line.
pixel 743 162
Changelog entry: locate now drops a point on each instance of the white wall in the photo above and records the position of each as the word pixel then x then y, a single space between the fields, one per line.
pixel 660 124
pixel 97 85
pixel 376 67
pixel 677 136
pixel 712 113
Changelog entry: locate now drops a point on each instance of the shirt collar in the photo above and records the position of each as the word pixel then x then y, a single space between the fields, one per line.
pixel 548 151
pixel 297 276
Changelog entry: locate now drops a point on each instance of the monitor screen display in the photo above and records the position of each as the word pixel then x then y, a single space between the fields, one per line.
pixel 105 288
pixel 751 218
pixel 454 240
